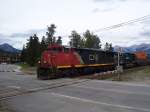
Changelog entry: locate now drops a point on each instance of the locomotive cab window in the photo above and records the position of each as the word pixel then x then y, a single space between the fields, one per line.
pixel 66 50
pixel 56 49
pixel 91 57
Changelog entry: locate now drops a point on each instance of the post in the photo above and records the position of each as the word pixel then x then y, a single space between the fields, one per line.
pixel 118 59
pixel 119 68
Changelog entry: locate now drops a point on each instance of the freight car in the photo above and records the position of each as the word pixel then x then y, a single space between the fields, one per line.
pixel 60 61
pixel 141 58
pixel 128 60
pixel 148 55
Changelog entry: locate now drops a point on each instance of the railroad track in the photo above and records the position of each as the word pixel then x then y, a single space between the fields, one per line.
pixel 10 93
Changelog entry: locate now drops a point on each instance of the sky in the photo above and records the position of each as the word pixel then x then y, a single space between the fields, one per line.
pixel 20 19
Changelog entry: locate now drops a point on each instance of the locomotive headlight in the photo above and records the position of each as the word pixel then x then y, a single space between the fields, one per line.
pixel 39 62
pixel 45 62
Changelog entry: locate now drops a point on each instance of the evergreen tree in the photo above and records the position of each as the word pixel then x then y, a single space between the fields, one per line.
pixel 111 48
pixel 50 33
pixel 36 46
pixel 82 43
pixel 75 39
pixel 23 54
pixel 53 40
pixel 91 40
pixel 43 45
pixel 59 40
pixel 108 47
pixel 33 50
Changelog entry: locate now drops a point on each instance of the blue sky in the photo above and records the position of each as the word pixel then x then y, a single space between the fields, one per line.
pixel 21 18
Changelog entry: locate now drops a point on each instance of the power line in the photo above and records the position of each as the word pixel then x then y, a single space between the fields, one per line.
pixel 119 25
pixel 124 23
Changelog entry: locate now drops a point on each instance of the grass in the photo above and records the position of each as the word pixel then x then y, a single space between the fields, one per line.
pixel 27 69
pixel 4 108
pixel 23 65
pixel 139 74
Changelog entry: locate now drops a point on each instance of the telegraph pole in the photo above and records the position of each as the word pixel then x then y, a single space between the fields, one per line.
pixel 119 67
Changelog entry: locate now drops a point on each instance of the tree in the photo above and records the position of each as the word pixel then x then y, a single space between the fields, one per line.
pixel 23 54
pixel 111 48
pixel 33 50
pixel 53 40
pixel 91 40
pixel 82 43
pixel 50 33
pixel 43 45
pixel 108 47
pixel 75 39
pixel 59 40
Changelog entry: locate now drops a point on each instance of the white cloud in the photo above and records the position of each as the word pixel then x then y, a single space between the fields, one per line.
pixel 19 17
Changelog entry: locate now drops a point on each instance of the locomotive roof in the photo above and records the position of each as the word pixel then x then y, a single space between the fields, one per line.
pixel 84 48
pixel 89 49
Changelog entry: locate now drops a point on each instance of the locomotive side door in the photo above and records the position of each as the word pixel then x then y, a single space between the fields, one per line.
pixel 93 58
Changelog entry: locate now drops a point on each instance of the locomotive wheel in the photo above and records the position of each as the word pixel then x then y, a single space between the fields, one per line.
pixel 42 74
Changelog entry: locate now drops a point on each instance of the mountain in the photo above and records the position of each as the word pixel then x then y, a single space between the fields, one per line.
pixel 8 48
pixel 134 48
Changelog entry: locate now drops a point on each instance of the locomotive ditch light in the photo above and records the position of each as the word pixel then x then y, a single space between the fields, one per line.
pixel 45 62
pixel 39 62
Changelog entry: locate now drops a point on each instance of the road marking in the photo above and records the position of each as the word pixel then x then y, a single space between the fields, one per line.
pixel 110 90
pixel 121 83
pixel 100 103
pixel 14 87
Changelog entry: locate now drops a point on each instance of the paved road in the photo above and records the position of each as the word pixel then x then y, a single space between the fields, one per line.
pixel 86 96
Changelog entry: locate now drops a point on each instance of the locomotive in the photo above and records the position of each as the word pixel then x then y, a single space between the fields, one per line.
pixel 127 60
pixel 62 61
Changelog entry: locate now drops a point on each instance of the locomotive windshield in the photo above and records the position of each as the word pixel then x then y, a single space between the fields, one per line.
pixel 57 49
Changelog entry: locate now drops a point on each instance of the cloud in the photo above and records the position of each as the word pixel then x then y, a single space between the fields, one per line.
pixel 14 42
pixel 95 10
pixel 145 29
pixel 23 34
pixel 6 40
pixel 146 33
pixel 32 31
pixel 108 0
pixel 102 0
pixel 3 35
pixel 106 5
pixel 18 39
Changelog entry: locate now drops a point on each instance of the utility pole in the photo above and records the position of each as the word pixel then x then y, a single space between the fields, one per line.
pixel 119 67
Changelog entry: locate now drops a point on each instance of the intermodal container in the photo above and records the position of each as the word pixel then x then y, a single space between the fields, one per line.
pixel 141 55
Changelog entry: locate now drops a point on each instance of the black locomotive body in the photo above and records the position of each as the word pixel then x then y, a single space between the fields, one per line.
pixel 94 56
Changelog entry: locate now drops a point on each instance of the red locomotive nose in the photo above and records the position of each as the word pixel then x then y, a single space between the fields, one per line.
pixel 48 59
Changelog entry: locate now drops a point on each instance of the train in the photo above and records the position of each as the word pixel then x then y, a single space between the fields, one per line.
pixel 62 61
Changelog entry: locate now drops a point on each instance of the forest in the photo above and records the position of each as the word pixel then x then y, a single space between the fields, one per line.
pixel 33 49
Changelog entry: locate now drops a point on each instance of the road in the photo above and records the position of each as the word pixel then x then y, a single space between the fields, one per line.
pixel 24 93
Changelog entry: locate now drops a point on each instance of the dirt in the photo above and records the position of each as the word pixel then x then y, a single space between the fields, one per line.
pixel 138 75
pixel 29 70
pixel 4 107
pixel 135 75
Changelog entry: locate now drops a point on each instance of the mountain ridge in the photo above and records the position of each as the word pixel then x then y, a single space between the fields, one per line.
pixel 134 48
pixel 8 48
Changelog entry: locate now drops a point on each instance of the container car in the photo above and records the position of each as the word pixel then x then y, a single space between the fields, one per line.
pixel 141 58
